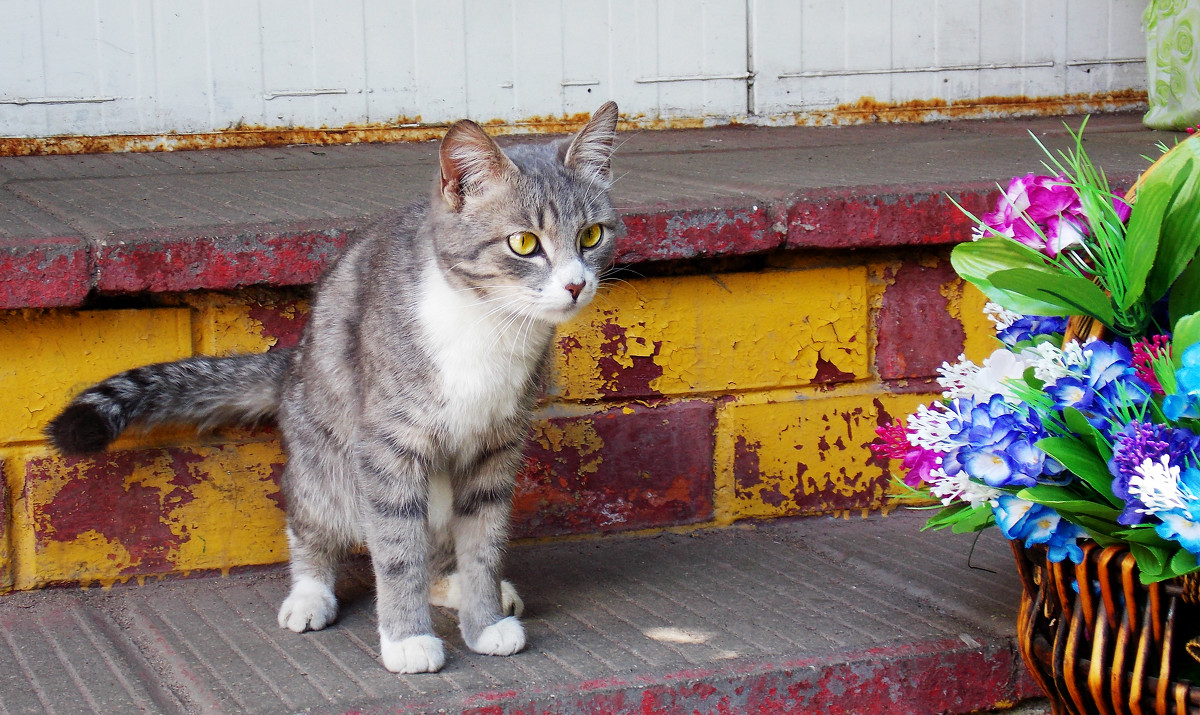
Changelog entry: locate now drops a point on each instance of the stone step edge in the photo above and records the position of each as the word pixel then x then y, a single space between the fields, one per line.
pixel 953 676
pixel 62 271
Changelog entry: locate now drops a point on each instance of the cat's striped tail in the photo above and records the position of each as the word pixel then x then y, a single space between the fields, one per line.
pixel 204 391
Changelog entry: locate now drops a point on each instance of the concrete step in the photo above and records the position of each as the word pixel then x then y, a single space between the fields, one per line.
pixel 815 615
pixel 136 223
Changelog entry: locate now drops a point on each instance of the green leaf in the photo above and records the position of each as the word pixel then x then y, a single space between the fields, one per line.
pixel 1082 461
pixel 1183 562
pixel 1180 232
pixel 1143 232
pixel 1102 530
pixel 1184 297
pixel 1078 424
pixel 1187 333
pixel 947 516
pixel 1143 534
pixel 1066 501
pixel 1151 560
pixel 978 260
pixel 1072 294
pixel 980 518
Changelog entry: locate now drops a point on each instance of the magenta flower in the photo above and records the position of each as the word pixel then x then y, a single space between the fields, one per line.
pixel 1145 352
pixel 1050 204
pixel 893 444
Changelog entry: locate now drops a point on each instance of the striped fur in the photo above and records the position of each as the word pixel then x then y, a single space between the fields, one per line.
pixel 406 405
pixel 201 391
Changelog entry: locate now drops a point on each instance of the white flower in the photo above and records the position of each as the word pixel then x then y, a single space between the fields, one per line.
pixel 979 382
pixel 1051 363
pixel 1156 484
pixel 1001 317
pixel 929 427
pixel 960 487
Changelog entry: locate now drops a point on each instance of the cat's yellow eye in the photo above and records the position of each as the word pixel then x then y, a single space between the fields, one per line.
pixel 590 236
pixel 523 243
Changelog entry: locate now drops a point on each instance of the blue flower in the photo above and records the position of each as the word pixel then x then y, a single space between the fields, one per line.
pixel 1027 327
pixel 1177 525
pixel 1022 520
pixel 1186 403
pixel 1071 391
pixel 1103 387
pixel 996 446
pixel 1064 542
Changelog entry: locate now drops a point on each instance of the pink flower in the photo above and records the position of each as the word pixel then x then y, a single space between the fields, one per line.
pixel 1050 204
pixel 1145 352
pixel 893 444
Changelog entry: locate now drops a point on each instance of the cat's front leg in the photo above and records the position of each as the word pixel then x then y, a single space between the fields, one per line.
pixel 482 503
pixel 395 510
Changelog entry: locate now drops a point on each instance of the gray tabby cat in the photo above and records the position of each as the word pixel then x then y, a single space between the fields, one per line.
pixel 406 405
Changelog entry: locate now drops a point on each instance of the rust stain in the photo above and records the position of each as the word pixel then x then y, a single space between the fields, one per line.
pixel 868 109
pixel 243 136
pixel 408 129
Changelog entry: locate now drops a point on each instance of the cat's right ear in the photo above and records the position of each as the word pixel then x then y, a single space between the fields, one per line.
pixel 469 160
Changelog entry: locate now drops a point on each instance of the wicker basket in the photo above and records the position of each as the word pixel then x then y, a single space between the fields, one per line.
pixel 1114 647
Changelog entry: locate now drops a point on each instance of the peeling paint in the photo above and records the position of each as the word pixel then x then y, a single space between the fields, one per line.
pixel 46 357
pixel 807 455
pixel 145 511
pixel 245 322
pixel 690 335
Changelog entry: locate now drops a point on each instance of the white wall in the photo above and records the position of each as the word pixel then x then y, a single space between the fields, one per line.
pixel 103 67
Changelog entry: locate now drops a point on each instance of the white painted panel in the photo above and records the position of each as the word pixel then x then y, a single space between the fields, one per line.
pixel 440 41
pixel 941 49
pixel 391 61
pixel 587 36
pixel 158 66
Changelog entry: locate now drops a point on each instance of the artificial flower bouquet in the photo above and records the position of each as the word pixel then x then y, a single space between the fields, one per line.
pixel 1085 422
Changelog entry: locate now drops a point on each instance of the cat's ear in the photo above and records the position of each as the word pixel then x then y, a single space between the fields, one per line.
pixel 589 152
pixel 469 161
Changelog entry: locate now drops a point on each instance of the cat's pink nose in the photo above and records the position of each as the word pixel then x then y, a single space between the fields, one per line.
pixel 574 289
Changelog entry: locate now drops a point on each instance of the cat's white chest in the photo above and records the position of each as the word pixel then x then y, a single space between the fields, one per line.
pixel 482 358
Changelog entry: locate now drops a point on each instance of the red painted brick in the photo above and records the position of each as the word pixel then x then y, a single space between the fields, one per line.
pixel 698 233
pixel 914 678
pixel 43 272
pixel 227 257
pixel 622 468
pixel 857 219
pixel 915 331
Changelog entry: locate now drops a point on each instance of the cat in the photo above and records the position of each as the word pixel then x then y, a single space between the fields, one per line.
pixel 405 407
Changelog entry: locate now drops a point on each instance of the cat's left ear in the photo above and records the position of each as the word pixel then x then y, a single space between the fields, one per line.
pixel 469 161
pixel 589 152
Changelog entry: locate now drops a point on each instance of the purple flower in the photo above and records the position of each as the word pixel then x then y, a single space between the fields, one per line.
pixel 996 446
pixel 1136 443
pixel 1050 204
pixel 1107 383
pixel 1029 326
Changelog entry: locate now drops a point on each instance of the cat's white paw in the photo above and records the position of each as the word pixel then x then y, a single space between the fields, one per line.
pixel 447 593
pixel 415 654
pixel 510 600
pixel 309 607
pixel 504 637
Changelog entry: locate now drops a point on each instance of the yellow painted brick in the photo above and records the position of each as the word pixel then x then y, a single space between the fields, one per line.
pixel 739 331
pixel 144 511
pixel 233 324
pixel 47 357
pixel 980 333
pixel 807 454
pixel 6 574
